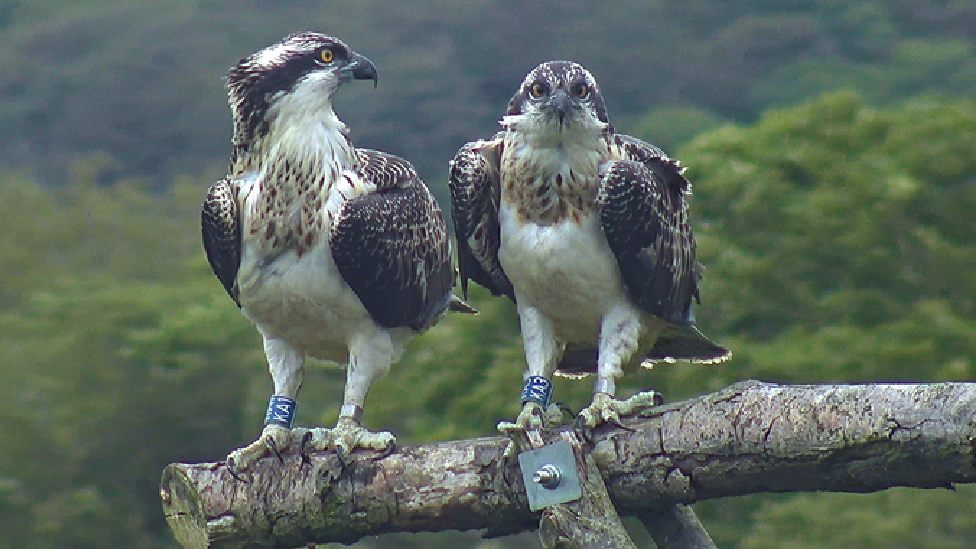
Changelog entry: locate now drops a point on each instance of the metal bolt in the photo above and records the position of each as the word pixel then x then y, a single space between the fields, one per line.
pixel 548 476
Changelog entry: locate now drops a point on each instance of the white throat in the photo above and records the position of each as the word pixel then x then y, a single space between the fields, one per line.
pixel 306 132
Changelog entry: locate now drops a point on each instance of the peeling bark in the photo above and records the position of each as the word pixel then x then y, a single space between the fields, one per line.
pixel 751 437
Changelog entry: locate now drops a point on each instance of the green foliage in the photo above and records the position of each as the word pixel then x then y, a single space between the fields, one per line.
pixel 139 82
pixel 670 127
pixel 895 518
pixel 838 236
pixel 112 363
pixel 838 241
pixel 837 225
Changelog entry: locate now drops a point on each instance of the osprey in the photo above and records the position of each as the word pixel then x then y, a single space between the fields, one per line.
pixel 333 252
pixel 587 231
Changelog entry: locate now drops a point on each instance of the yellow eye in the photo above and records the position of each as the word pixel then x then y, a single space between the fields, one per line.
pixel 537 90
pixel 582 91
pixel 326 56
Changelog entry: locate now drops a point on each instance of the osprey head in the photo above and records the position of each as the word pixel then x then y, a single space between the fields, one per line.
pixel 557 95
pixel 302 71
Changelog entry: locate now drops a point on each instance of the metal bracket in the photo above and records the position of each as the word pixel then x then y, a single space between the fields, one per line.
pixel 550 475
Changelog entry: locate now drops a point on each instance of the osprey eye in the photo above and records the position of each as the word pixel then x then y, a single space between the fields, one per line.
pixel 326 55
pixel 537 90
pixel 582 91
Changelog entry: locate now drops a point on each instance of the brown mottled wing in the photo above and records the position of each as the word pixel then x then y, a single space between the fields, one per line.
pixel 391 246
pixel 644 215
pixel 221 224
pixel 475 196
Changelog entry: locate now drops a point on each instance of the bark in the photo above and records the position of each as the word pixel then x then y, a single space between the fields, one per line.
pixel 591 522
pixel 751 437
pixel 676 527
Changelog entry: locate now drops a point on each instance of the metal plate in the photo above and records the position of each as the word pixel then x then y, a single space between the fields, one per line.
pixel 559 455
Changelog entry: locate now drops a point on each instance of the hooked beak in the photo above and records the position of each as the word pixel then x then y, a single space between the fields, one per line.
pixel 561 103
pixel 360 68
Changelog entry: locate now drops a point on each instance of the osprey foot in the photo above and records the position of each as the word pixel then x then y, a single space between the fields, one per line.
pixel 606 409
pixel 346 437
pixel 274 440
pixel 531 417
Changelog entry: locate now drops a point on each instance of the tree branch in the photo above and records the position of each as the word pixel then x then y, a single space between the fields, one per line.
pixel 751 437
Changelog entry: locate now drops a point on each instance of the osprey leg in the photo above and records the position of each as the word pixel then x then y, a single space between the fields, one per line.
pixel 541 357
pixel 287 367
pixel 370 358
pixel 620 334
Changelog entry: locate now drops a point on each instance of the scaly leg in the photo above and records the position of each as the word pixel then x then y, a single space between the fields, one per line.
pixel 541 356
pixel 620 335
pixel 287 367
pixel 370 358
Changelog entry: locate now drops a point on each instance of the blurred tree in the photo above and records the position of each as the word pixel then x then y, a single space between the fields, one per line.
pixel 141 82
pixel 671 127
pixel 837 237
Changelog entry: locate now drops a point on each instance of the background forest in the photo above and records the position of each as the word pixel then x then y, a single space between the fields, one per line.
pixel 831 144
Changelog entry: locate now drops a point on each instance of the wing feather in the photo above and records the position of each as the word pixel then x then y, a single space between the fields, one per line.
pixel 644 214
pixel 475 196
pixel 391 246
pixel 221 226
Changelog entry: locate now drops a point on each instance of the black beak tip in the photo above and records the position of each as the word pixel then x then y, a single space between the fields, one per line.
pixel 364 69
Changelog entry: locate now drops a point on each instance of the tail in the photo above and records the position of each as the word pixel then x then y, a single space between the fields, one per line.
pixel 676 343
pixel 457 305
pixel 686 343
pixel 578 361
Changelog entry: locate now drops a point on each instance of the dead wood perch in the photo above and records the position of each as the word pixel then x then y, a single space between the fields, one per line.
pixel 751 437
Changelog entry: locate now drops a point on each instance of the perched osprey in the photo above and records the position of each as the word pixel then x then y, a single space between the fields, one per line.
pixel 333 252
pixel 587 231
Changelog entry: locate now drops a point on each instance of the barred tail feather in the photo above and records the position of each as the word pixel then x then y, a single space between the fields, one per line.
pixel 676 343
pixel 686 343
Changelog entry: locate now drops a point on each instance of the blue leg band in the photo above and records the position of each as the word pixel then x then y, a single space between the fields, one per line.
pixel 537 389
pixel 281 411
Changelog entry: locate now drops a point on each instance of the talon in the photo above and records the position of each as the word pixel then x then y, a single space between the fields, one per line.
pixel 565 409
pixel 606 409
pixel 615 422
pixel 342 459
pixel 555 414
pixel 348 435
pixel 273 446
pixel 389 451
pixel 273 439
pixel 584 430
pixel 301 447
pixel 233 471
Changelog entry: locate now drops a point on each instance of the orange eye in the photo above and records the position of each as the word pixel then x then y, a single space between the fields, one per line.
pixel 326 56
pixel 537 90
pixel 582 91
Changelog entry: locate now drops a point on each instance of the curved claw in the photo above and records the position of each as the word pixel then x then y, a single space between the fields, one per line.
pixel 273 440
pixel 606 409
pixel 306 438
pixel 389 451
pixel 531 418
pixel 348 435
pixel 341 456
pixel 584 430
pixel 563 408
pixel 273 446
pixel 232 469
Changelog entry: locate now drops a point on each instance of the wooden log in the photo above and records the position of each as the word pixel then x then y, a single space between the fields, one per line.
pixel 751 437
